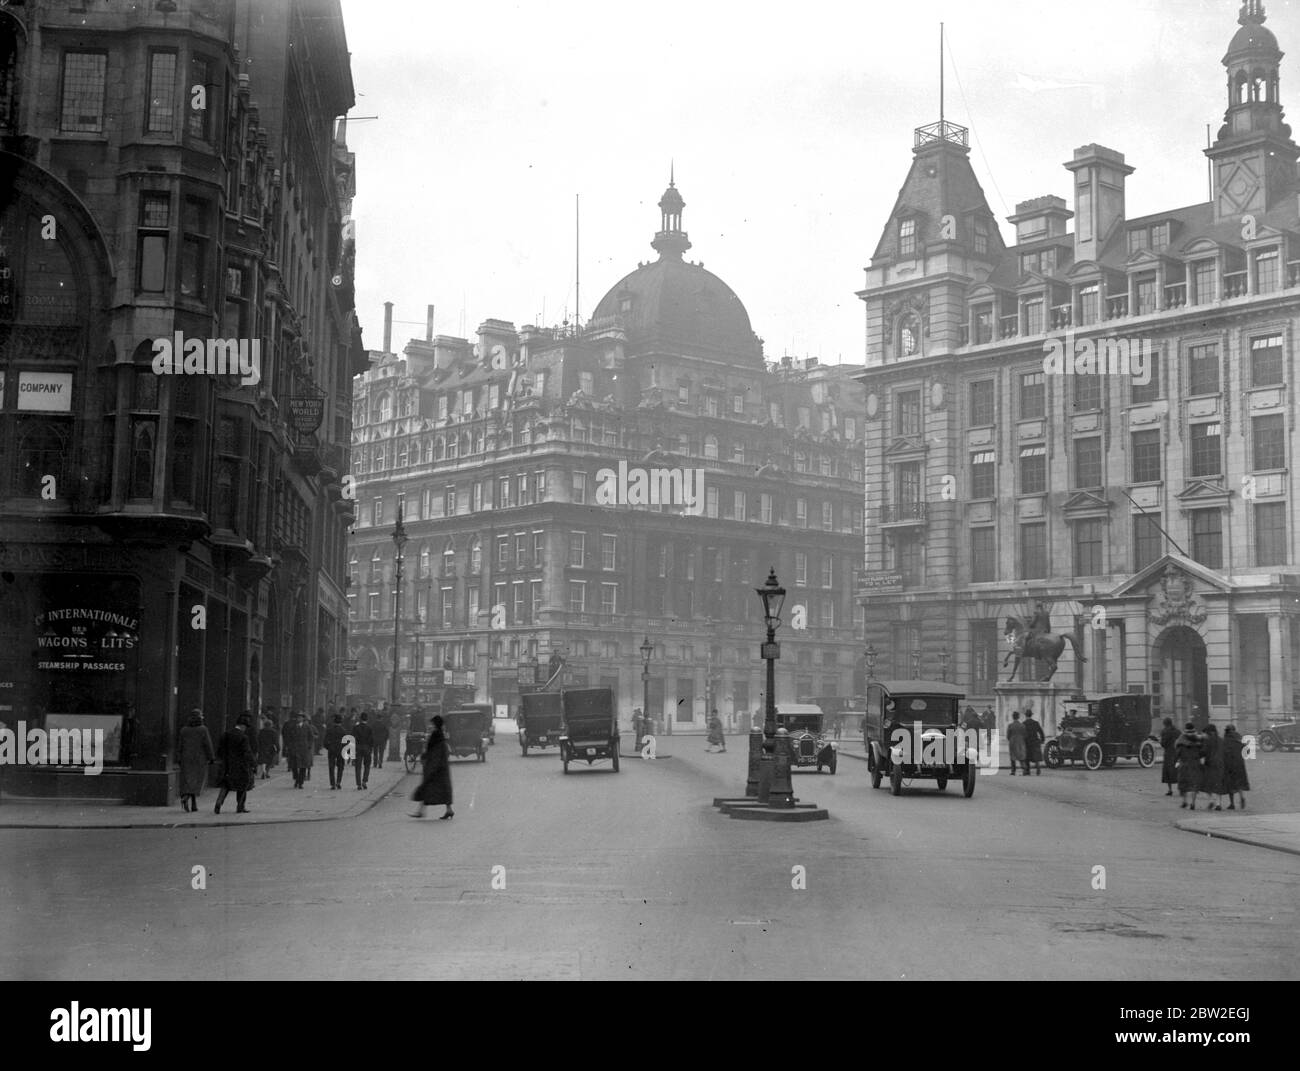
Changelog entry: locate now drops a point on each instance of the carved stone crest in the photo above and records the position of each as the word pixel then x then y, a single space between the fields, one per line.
pixel 917 305
pixel 1176 603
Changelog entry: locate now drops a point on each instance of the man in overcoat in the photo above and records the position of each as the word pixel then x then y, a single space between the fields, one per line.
pixel 365 739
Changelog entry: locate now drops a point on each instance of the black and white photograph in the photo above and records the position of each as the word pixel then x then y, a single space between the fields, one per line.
pixel 698 491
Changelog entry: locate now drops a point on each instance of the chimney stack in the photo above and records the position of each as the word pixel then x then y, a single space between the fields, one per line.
pixel 428 327
pixel 1099 175
pixel 388 327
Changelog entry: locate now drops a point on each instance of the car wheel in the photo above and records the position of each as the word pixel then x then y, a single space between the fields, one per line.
pixel 1147 754
pixel 941 783
pixel 1267 741
pixel 896 780
pixel 616 760
pixel 1052 755
pixel 968 780
pixel 875 775
pixel 831 767
pixel 1092 756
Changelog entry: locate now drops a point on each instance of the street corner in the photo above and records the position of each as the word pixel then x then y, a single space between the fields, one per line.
pixel 1277 832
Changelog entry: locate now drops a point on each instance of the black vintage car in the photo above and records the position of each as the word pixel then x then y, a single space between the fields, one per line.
pixel 541 720
pixel 467 730
pixel 1283 731
pixel 1099 730
pixel 805 723
pixel 914 733
pixel 590 727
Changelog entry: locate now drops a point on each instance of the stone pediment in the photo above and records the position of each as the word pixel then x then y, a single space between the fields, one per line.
pixel 1200 493
pixel 905 444
pixel 1175 588
pixel 1086 503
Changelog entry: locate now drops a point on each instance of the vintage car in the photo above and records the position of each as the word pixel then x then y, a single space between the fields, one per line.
pixel 914 733
pixel 541 720
pixel 467 730
pixel 1282 732
pixel 805 724
pixel 1099 730
pixel 590 726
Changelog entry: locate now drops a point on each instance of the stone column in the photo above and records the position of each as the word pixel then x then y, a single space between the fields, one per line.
pixel 1279 643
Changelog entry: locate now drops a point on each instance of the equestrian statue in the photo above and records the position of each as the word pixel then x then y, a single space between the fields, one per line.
pixel 1037 641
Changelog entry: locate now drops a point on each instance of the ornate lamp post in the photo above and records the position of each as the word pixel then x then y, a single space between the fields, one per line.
pixel 647 651
pixel 871 654
pixel 399 538
pixel 774 786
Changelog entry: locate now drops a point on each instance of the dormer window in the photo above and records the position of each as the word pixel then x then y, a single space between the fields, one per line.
pixel 981 237
pixel 1154 236
pixel 907 238
pixel 1148 299
pixel 1043 262
pixel 983 324
pixel 1268 274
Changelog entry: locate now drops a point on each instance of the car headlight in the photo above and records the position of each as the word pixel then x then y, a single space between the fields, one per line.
pixel 834 746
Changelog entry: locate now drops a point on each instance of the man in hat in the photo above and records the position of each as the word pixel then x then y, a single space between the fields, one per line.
pixel 365 738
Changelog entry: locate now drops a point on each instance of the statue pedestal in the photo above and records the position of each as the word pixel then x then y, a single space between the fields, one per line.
pixel 1043 697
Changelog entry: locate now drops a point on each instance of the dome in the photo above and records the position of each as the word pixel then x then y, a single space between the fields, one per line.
pixel 680 305
pixel 1253 38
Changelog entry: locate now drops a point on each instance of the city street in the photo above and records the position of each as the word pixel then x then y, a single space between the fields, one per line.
pixel 636 875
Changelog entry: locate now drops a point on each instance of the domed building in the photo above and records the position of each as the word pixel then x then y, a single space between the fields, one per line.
pixel 577 490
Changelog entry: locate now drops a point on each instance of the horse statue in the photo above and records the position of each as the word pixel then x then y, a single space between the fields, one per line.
pixel 1031 643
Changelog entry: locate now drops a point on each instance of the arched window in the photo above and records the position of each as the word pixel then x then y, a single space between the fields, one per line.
pixel 424 562
pixel 448 558
pixel 475 556
pixel 142 450
pixel 711 447
pixel 453 447
pixel 439 448
pixel 1258 86
pixel 376 567
pixel 403 450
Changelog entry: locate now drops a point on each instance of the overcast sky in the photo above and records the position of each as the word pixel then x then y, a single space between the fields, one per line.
pixel 790 125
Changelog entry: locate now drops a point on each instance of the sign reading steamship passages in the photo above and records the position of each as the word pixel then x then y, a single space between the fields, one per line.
pixel 306 413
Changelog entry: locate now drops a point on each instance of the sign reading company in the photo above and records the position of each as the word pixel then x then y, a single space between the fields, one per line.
pixel 48 392
pixel 306 414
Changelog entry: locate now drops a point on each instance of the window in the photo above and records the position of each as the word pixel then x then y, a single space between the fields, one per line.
pixel 194 249
pixel 609 598
pixel 712 405
pixel 981 403
pixel 577 596
pixel 82 107
pixel 522 487
pixel 475 556
pixel 476 496
pixel 1090 304
pixel 1033 396
pixel 1145 456
pixel 377 512
pixel 1204 273
pixel 711 502
pixel 1033 470
pixel 608 552
pixel 828 516
pixel 983 474
pixel 578 550
pixel 981 238
pixel 800 461
pixel 586 383
pixel 1268 273
pixel 1207 537
pixel 539 545
pixel 372 606
pixel 503 552
pixel 850 428
pixel 907 238
pixel 738 404
pixel 765 508
pixel 448 558
pixel 376 575
pixel 151 242
pixel 1148 540
pixel 539 486
pixel 907 487
pixel 738 510
pixel 1033 552
pixel 580 488
pixel 827 571
pixel 503 492
pixel 442 409
pixel 534 600
pixel 1203 369
pixel 229 451
pixel 449 501
pixel 907 558
pixel 1268 441
pixel 1140 393
pixel 1148 300
pixel 738 452
pixel 711 447
pixel 161 115
pixel 1207 450
pixel 519 592
pixel 1087 548
pixel 448 600
pixel 1270 533
pixel 197 124
pixel 800 569
pixel 1034 317
pixel 424 563
pixel 1087 463
pixel 1086 391
pixel 983 325
pixel 983 555
pixel 1266 361
pixel 539 384
pixel 907 412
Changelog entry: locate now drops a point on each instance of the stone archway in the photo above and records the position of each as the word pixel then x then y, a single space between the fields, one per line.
pixel 1179 677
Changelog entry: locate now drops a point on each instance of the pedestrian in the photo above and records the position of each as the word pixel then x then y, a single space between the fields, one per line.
pixel 196 756
pixel 638 725
pixel 238 764
pixel 318 723
pixel 1235 781
pixel 1169 768
pixel 365 739
pixel 1033 744
pixel 716 739
pixel 971 723
pixel 380 731
pixel 334 751
pixel 297 747
pixel 1212 767
pixel 1188 749
pixel 435 785
pixel 268 747
pixel 990 722
pixel 1016 743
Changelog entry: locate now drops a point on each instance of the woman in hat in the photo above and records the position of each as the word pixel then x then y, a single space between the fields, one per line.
pixel 435 787
pixel 239 764
pixel 196 757
pixel 1235 781
pixel 1212 771
pixel 1188 747
pixel 1169 768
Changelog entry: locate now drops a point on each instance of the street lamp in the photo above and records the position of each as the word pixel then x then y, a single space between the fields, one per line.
pixel 399 538
pixel 871 654
pixel 774 786
pixel 944 657
pixel 647 651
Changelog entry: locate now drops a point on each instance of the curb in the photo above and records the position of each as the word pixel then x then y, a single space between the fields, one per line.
pixel 1238 837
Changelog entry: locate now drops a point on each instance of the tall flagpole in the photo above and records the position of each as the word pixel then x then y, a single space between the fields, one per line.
pixel 577 258
pixel 941 80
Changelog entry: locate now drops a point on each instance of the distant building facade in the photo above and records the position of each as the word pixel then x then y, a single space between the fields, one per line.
pixel 168 537
pixel 519 463
pixel 1148 499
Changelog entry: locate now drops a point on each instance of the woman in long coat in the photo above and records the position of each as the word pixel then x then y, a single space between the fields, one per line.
pixel 1235 781
pixel 1212 773
pixel 435 787
pixel 196 756
pixel 1169 768
pixel 1188 747
pixel 239 764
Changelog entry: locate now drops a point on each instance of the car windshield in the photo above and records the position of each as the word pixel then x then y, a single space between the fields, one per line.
pixel 801 723
pixel 1078 719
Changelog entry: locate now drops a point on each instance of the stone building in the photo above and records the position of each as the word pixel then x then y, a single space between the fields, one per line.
pixel 518 462
pixel 168 532
pixel 1099 417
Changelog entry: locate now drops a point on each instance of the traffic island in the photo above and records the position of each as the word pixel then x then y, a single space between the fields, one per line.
pixel 769 794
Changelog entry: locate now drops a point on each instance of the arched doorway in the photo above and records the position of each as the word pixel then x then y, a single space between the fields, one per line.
pixel 1179 679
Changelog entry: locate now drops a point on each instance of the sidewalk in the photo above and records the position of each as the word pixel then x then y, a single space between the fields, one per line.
pixel 272 801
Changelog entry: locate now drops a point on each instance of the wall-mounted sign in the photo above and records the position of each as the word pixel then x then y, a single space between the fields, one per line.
pixel 306 414
pixel 48 392
pixel 878 583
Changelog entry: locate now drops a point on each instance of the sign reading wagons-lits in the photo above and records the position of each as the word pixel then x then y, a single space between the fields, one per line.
pixel 638 486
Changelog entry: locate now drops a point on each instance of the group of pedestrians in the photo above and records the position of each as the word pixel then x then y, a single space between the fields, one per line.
pixel 1025 742
pixel 1202 761
pixel 234 755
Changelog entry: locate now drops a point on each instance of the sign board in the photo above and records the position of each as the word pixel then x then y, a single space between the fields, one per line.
pixel 305 414
pixel 349 665
pixel 879 583
pixel 46 392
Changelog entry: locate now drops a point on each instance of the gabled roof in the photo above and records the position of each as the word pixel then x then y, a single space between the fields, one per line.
pixel 1143 580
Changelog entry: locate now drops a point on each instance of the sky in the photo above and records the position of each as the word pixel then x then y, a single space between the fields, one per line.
pixel 789 127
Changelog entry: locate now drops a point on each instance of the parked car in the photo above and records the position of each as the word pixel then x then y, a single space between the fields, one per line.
pixel 590 726
pixel 913 733
pixel 806 725
pixel 1098 731
pixel 1282 732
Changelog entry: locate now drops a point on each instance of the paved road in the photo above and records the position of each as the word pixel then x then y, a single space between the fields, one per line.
pixel 635 875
